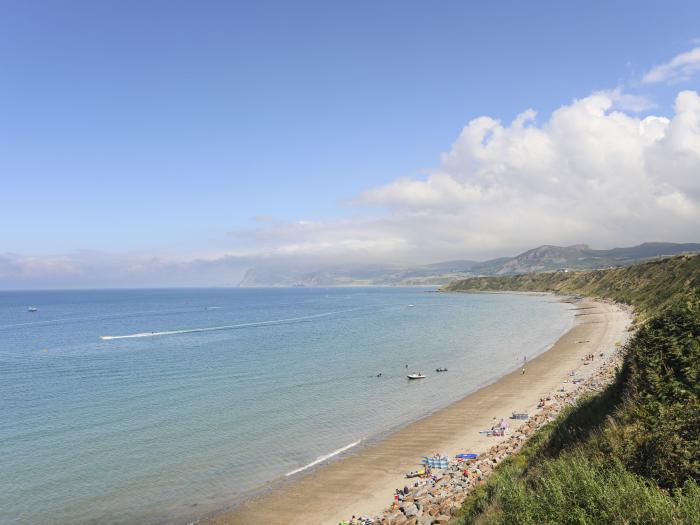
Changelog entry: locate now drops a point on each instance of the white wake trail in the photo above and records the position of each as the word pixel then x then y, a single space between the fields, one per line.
pixel 227 327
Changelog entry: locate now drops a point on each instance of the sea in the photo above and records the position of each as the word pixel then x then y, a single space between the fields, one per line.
pixel 165 406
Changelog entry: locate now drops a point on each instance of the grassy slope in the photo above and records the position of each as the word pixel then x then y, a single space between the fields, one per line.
pixel 648 286
pixel 632 453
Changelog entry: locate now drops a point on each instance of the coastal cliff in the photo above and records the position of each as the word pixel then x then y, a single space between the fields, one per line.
pixel 648 286
pixel 630 454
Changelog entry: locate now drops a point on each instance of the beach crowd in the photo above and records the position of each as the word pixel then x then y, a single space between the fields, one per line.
pixel 435 495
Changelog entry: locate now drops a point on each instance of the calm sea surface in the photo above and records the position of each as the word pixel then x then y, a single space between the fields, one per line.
pixel 221 390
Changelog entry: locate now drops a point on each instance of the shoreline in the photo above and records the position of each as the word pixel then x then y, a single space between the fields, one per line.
pixel 364 481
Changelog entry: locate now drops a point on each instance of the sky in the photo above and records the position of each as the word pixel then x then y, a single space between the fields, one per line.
pixel 166 143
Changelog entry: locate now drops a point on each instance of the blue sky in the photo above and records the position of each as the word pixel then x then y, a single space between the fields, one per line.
pixel 158 128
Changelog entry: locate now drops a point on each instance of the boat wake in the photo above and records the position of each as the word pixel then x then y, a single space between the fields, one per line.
pixel 227 327
pixel 324 458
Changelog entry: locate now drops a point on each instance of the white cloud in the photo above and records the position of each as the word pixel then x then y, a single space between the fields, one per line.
pixel 593 172
pixel 96 270
pixel 629 102
pixel 589 174
pixel 679 68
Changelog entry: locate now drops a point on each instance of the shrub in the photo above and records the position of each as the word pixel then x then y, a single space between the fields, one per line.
pixel 628 455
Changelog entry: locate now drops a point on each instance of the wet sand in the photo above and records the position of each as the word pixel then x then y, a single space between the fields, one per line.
pixel 364 483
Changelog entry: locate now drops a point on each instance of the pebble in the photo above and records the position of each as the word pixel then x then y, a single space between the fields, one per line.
pixel 436 500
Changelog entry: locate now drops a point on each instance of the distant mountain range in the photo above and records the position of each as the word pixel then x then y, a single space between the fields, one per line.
pixel 542 259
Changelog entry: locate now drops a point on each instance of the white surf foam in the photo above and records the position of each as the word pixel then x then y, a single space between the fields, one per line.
pixel 227 327
pixel 324 458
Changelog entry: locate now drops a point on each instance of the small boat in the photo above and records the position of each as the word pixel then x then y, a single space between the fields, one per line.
pixel 411 305
pixel 32 309
pixel 441 369
pixel 416 376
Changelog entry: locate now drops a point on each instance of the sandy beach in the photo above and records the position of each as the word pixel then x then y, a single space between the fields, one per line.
pixel 364 482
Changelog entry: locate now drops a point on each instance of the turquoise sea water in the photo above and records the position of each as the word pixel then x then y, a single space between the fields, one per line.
pixel 221 390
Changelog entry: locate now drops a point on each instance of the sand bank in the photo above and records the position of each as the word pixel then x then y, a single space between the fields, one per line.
pixel 364 483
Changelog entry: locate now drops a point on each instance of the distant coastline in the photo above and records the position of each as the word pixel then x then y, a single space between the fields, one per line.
pixel 544 258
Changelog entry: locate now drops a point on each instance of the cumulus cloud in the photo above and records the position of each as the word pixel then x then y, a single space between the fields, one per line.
pixel 629 102
pixel 594 171
pixel 679 68
pixel 589 173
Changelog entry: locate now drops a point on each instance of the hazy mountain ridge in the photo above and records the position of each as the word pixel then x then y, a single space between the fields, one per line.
pixel 541 259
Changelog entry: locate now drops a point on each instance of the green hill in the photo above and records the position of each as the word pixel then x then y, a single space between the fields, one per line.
pixel 541 259
pixel 631 454
pixel 647 286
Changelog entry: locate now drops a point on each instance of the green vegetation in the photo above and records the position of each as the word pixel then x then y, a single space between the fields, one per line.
pixel 630 454
pixel 540 259
pixel 648 286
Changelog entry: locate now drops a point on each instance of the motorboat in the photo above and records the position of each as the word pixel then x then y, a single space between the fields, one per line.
pixel 416 376
pixel 443 369
pixel 32 309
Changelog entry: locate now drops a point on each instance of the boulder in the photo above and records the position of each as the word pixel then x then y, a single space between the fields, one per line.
pixel 395 518
pixel 410 510
pixel 423 502
pixel 420 493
